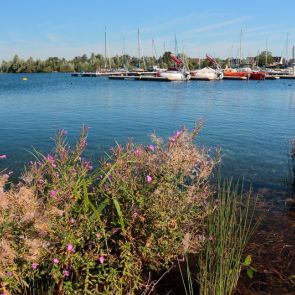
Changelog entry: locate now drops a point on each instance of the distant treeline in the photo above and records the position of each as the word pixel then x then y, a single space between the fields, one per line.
pixel 97 62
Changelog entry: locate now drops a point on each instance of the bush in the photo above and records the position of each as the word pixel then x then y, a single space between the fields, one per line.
pixel 70 229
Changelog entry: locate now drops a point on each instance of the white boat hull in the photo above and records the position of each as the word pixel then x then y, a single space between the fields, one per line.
pixel 207 74
pixel 174 76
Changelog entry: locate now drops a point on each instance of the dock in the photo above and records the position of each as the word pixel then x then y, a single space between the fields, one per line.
pixel 140 78
pixel 287 76
pixel 234 78
pixel 97 74
pixel 201 79
pixel 272 77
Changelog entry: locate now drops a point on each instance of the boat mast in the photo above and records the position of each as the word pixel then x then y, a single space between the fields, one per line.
pixel 266 54
pixel 293 51
pixel 138 45
pixel 287 49
pixel 175 45
pixel 154 49
pixel 241 33
pixel 105 47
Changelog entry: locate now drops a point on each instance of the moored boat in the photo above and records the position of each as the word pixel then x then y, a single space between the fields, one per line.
pixel 244 72
pixel 179 73
pixel 208 73
pixel 229 72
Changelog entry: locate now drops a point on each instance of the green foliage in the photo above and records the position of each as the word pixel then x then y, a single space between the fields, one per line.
pixel 229 227
pixel 69 229
pixel 265 58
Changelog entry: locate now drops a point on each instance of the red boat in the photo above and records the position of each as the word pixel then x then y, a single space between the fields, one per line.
pixel 247 73
pixel 257 76
pixel 228 72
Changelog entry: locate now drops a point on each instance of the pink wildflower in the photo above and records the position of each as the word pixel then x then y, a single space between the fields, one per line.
pixel 177 134
pixel 66 273
pixel 101 259
pixel 88 165
pixel 53 194
pixel 70 248
pixel 55 260
pixel 137 152
pixel 97 235
pixel 3 156
pixel 35 265
pixel 149 179
pixel 72 220
pixel 151 147
pixel 50 159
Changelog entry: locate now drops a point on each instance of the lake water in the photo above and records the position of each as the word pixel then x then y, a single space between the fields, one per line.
pixel 251 121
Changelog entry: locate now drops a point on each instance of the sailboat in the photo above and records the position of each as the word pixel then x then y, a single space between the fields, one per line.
pixel 243 73
pixel 208 73
pixel 178 73
pixel 139 69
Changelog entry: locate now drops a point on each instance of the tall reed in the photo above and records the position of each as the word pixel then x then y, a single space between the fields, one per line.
pixel 229 225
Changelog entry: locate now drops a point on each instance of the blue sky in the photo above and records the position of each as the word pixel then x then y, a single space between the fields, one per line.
pixel 67 28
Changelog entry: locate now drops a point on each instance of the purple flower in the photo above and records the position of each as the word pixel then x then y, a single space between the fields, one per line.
pixel 175 136
pixel 66 273
pixel 137 152
pixel 88 165
pixel 70 248
pixel 55 260
pixel 63 132
pixel 9 273
pixel 72 220
pixel 3 156
pixel 53 194
pixel 149 179
pixel 151 147
pixel 50 159
pixel 101 259
pixel 178 133
pixel 35 265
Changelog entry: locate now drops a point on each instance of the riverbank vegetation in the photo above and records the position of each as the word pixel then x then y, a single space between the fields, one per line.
pixel 67 228
pixel 98 62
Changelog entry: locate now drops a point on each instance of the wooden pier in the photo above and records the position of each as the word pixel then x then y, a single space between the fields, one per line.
pixel 272 77
pixel 287 76
pixel 234 78
pixel 140 78
pixel 201 79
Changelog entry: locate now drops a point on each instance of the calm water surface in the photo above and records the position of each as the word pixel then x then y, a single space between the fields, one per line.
pixel 251 121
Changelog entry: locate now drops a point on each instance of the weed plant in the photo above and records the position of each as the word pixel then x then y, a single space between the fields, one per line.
pixel 67 228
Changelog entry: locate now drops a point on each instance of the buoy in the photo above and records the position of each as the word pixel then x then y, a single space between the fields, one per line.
pixel 24 78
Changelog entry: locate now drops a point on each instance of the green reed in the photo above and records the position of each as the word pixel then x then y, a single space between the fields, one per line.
pixel 229 226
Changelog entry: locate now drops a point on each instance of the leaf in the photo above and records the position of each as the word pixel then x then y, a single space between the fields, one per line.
pixel 248 260
pixel 250 273
pixel 120 215
pixel 102 205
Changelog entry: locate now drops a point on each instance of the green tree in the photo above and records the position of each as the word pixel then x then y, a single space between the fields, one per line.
pixel 265 58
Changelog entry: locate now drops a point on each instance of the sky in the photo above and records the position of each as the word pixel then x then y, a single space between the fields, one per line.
pixel 68 28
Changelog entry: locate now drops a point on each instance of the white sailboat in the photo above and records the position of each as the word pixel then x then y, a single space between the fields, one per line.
pixel 208 73
pixel 179 73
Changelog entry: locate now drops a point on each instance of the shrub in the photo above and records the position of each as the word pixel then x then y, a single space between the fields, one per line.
pixel 69 229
